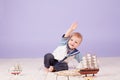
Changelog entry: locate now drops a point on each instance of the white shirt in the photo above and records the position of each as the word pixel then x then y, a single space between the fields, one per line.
pixel 60 52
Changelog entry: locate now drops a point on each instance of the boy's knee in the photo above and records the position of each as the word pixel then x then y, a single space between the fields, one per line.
pixel 48 55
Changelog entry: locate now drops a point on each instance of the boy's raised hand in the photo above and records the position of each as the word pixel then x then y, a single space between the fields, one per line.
pixel 74 26
pixel 71 29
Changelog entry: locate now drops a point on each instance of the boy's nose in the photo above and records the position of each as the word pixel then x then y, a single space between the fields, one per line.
pixel 73 43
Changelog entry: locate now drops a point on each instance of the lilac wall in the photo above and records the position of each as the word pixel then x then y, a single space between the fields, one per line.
pixel 31 28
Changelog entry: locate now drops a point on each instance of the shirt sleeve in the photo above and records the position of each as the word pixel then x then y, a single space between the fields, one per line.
pixel 64 40
pixel 78 57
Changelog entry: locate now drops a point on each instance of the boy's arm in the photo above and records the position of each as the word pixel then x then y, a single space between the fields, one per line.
pixel 71 29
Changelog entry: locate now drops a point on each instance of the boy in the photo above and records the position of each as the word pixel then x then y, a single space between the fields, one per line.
pixel 60 57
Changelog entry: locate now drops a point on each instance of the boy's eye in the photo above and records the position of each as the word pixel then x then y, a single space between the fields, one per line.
pixel 71 39
pixel 76 42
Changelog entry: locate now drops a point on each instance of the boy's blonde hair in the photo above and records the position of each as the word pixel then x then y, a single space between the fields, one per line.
pixel 77 34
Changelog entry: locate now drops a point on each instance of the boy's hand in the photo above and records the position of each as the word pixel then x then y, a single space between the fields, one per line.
pixel 71 29
pixel 74 26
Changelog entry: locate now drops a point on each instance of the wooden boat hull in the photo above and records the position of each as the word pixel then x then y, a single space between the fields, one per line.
pixel 88 71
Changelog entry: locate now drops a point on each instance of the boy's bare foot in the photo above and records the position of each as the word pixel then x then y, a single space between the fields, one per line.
pixel 51 69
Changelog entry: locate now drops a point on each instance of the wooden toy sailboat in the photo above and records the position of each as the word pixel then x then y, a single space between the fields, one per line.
pixel 89 65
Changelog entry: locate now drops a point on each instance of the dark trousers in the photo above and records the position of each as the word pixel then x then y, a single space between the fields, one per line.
pixel 49 60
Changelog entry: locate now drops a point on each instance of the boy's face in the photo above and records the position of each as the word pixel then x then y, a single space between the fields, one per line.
pixel 74 42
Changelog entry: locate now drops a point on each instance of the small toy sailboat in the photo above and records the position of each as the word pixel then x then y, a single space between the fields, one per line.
pixel 89 65
pixel 16 69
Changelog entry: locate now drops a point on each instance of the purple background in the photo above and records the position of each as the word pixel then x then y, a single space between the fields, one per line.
pixel 32 28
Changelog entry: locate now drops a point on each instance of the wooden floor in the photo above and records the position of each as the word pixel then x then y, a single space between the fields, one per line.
pixel 32 69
